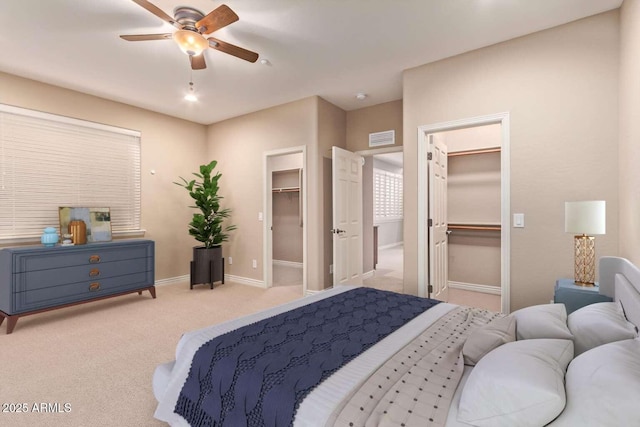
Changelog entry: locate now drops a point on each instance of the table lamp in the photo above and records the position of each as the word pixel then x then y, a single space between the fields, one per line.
pixel 584 219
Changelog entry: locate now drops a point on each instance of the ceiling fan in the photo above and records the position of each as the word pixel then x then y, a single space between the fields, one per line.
pixel 192 26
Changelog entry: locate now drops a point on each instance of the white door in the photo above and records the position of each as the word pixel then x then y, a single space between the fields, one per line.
pixel 437 222
pixel 347 216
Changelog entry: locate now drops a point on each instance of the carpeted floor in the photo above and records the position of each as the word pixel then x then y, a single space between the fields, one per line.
pixel 388 273
pixel 92 364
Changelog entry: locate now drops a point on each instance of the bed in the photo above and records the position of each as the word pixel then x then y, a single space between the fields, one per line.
pixel 396 360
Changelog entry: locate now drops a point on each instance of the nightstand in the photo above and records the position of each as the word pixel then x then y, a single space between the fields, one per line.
pixel 575 296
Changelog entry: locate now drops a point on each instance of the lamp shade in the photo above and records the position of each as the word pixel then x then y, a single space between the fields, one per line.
pixel 585 217
pixel 191 42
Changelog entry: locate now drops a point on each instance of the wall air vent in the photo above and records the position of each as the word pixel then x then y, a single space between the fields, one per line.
pixel 378 139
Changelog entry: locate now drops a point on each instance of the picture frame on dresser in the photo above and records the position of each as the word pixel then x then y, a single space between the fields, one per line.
pixel 96 219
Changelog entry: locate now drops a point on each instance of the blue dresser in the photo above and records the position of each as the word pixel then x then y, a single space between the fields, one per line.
pixel 575 296
pixel 34 279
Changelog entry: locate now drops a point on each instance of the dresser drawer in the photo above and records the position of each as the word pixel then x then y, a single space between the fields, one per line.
pixel 39 279
pixel 81 255
pixel 86 290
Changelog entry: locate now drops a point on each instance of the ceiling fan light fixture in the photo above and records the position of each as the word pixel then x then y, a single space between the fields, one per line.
pixel 190 42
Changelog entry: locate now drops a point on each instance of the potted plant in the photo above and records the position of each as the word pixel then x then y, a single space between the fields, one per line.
pixel 207 226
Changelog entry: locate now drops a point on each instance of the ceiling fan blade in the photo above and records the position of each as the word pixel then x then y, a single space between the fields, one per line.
pixel 198 62
pixel 218 18
pixel 158 12
pixel 144 37
pixel 236 51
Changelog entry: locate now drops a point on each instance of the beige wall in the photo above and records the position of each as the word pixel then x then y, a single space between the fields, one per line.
pixel 239 145
pixel 170 146
pixel 473 189
pixel 377 118
pixel 560 87
pixel 629 145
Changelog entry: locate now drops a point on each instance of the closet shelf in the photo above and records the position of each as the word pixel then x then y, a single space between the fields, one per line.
pixel 286 190
pixel 469 152
pixel 480 227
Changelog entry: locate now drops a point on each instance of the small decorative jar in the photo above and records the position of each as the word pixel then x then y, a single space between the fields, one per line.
pixel 49 237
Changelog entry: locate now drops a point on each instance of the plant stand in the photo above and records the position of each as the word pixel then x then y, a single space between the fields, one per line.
pixel 207 266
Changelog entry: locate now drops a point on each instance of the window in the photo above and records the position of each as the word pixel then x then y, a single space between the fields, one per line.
pixel 48 161
pixel 387 195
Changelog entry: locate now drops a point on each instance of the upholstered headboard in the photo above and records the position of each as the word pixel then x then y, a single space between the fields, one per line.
pixel 620 279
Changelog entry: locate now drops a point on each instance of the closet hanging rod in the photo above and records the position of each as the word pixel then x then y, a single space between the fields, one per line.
pixel 286 190
pixel 481 227
pixel 469 152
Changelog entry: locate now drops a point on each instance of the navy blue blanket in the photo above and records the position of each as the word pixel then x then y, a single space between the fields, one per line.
pixel 257 375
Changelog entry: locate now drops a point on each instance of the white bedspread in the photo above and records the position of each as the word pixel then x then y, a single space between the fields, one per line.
pixel 319 404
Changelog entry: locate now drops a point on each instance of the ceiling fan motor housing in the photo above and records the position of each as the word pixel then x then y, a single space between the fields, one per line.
pixel 187 17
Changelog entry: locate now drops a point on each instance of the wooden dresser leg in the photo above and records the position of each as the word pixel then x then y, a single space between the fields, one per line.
pixel 11 323
pixel 152 291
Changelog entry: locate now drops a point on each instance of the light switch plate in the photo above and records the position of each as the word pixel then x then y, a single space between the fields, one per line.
pixel 518 220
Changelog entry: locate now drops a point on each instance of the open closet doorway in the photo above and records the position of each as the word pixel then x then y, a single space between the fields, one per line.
pixel 285 218
pixel 474 269
pixel 383 219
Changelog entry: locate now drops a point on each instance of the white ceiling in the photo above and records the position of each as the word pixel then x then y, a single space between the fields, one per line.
pixel 331 48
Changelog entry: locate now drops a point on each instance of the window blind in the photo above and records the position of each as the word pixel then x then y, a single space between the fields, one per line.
pixel 387 200
pixel 48 161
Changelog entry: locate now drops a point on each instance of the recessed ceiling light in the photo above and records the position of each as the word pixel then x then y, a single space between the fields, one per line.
pixel 361 96
pixel 191 96
pixel 265 61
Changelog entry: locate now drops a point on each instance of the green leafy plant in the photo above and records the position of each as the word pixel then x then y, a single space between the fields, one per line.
pixel 207 225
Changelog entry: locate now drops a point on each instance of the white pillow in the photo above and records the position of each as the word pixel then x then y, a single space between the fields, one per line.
pixel 598 324
pixel 603 387
pixel 520 383
pixel 542 321
pixel 488 337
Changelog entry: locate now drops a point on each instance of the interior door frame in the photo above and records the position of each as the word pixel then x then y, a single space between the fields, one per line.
pixel 505 198
pixel 268 214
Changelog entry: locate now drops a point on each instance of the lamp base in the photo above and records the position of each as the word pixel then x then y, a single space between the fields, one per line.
pixel 585 260
pixel 585 284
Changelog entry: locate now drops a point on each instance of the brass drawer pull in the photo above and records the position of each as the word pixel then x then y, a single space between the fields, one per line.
pixel 95 286
pixel 94 272
pixel 94 259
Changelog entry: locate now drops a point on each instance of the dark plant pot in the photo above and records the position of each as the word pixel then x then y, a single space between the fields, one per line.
pixel 207 265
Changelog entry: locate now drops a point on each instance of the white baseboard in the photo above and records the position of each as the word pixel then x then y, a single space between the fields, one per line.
pixel 287 263
pixel 368 274
pixel 173 280
pixel 474 287
pixel 227 277
pixel 244 280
